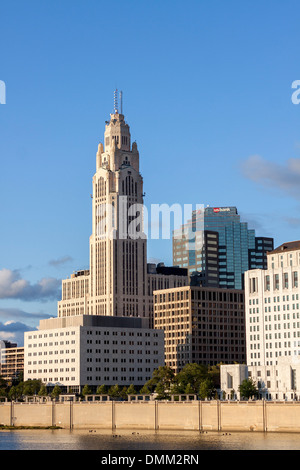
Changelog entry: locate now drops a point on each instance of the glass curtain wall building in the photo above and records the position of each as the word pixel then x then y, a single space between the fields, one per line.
pixel 217 248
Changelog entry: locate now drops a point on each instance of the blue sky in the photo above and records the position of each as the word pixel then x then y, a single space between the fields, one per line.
pixel 207 93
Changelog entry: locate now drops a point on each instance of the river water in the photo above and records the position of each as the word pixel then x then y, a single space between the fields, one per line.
pixel 61 439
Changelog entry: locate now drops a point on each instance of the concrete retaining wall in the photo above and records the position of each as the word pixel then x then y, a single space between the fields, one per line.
pixel 156 415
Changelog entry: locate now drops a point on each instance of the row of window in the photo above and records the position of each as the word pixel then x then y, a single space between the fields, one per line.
pixel 40 345
pixel 283 281
pixel 51 379
pixel 122 333
pixel 67 351
pixel 50 335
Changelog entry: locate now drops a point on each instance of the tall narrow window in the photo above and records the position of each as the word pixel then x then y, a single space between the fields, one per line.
pixel 267 283
pixel 295 279
pixel 276 282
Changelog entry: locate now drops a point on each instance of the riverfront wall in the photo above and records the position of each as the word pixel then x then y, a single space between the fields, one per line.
pixel 156 415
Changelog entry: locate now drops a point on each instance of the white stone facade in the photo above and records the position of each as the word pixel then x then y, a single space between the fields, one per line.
pixel 117 282
pixel 92 350
pixel 272 299
pixel 275 382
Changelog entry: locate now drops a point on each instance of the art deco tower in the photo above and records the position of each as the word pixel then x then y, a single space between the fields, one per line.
pixel 116 281
pixel 119 282
pixel 118 258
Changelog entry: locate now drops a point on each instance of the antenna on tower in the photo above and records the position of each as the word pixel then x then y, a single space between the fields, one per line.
pixel 121 101
pixel 116 101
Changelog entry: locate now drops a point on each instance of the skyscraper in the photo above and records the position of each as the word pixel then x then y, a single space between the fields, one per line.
pixel 221 259
pixel 118 282
pixel 104 300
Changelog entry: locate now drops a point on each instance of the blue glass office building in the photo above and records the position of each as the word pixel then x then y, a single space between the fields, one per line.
pixel 220 260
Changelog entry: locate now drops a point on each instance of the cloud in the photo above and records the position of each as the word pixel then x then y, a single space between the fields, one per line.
pixel 18 314
pixel 294 222
pixel 14 332
pixel 14 322
pixel 272 175
pixel 12 286
pixel 59 261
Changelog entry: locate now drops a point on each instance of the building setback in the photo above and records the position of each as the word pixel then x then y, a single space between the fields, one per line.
pixel 92 350
pixel 201 325
pixel 119 281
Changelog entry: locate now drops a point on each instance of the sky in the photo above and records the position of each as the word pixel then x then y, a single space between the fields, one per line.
pixel 207 92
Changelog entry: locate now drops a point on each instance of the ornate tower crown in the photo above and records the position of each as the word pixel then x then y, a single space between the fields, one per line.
pixel 117 132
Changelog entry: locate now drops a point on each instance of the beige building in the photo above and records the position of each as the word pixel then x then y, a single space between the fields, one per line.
pixel 201 324
pixel 118 282
pixel 93 350
pixel 272 307
pixel 272 328
pixel 11 361
pixel 273 382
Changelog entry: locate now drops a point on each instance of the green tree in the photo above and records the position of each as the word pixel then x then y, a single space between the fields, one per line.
pixel 189 389
pixel 101 390
pixel 124 393
pixel 15 391
pixel 206 388
pixel 164 375
pixel 114 391
pixel 145 390
pixel 3 383
pixel 20 389
pixel 214 373
pixel 31 387
pixel 192 375
pixel 86 390
pixel 43 391
pixel 248 389
pixel 56 391
pixel 161 391
pixel 131 390
pixel 13 394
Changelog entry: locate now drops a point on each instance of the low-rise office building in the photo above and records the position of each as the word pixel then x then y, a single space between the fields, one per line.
pixel 11 361
pixel 273 382
pixel 93 350
pixel 202 325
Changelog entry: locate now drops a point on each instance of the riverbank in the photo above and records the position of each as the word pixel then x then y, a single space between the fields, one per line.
pixel 212 415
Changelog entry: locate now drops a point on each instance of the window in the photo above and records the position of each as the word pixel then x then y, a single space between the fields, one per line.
pixel 295 279
pixel 267 283
pixel 276 281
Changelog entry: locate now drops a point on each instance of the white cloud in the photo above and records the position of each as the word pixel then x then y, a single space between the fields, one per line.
pixel 272 175
pixel 12 286
pixel 60 261
pixel 14 332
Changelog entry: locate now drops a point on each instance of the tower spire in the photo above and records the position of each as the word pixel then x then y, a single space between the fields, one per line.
pixel 116 106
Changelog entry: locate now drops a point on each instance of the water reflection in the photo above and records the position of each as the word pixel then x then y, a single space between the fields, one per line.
pixel 145 440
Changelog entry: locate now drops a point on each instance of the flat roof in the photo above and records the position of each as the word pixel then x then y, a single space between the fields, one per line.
pixel 94 321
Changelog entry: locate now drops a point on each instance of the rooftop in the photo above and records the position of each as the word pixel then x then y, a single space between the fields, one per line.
pixel 288 246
